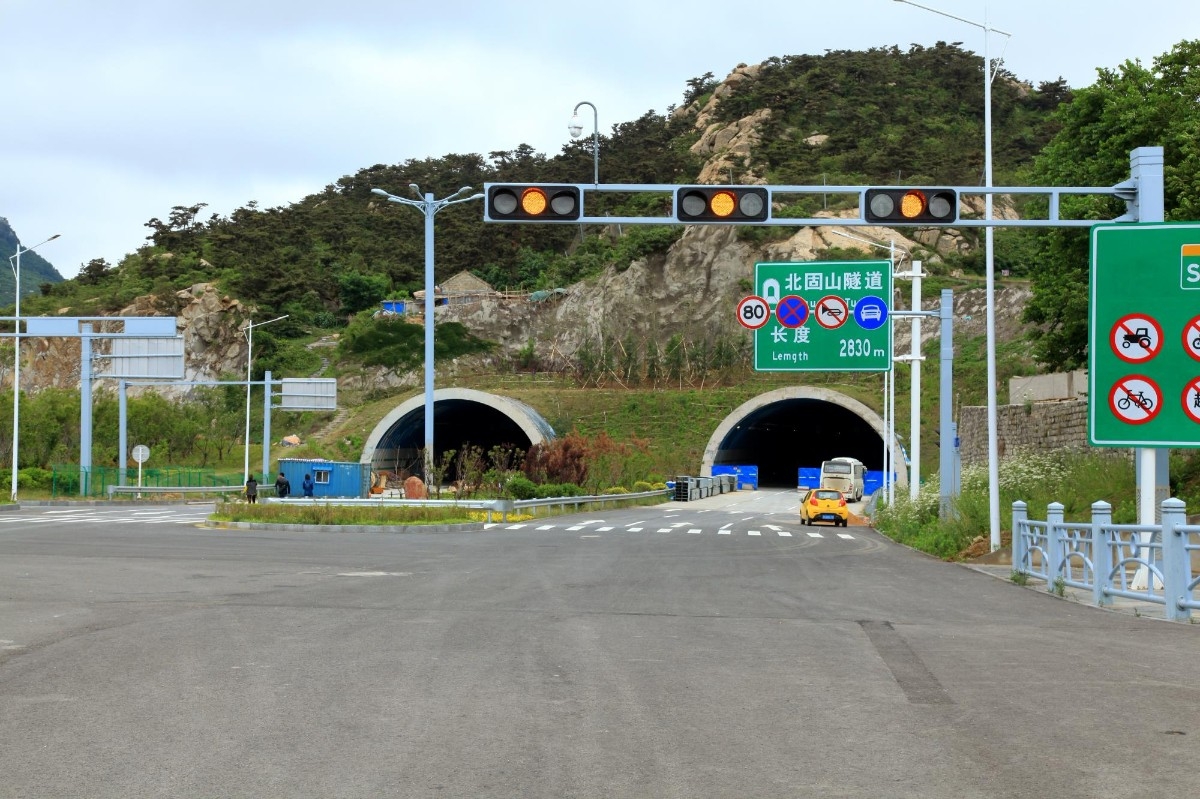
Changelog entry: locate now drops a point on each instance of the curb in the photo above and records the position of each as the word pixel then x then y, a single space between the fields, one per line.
pixel 474 527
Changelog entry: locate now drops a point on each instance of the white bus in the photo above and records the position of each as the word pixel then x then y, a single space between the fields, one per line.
pixel 844 474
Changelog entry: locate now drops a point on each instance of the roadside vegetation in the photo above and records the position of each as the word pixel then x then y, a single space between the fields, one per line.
pixel 1075 479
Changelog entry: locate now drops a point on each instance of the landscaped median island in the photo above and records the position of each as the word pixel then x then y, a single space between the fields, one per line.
pixel 318 513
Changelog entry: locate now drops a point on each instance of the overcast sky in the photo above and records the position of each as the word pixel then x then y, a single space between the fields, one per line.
pixel 117 111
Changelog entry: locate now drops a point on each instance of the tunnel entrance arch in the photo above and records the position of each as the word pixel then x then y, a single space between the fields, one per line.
pixel 799 426
pixel 461 416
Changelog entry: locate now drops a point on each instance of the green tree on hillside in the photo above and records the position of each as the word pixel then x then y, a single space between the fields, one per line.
pixel 1128 107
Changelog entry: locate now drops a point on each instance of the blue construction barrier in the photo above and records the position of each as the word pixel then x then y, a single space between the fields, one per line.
pixel 808 477
pixel 873 481
pixel 747 476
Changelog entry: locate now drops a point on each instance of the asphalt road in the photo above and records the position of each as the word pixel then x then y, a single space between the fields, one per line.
pixel 649 652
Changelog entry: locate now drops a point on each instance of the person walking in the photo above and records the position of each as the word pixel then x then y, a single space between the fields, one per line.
pixel 307 485
pixel 251 490
pixel 282 486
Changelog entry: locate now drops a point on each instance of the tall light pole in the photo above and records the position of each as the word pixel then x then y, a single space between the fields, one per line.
pixel 889 400
pixel 429 207
pixel 14 263
pixel 575 128
pixel 990 282
pixel 248 330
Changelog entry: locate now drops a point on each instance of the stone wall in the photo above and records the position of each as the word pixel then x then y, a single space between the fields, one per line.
pixel 1037 427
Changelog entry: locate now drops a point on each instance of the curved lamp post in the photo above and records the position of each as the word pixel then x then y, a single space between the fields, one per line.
pixel 248 330
pixel 575 128
pixel 990 283
pixel 14 263
pixel 429 207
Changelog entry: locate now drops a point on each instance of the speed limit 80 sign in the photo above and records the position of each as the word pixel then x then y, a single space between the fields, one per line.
pixel 753 312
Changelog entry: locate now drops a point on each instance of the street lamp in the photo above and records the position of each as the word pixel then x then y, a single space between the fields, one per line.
pixel 990 283
pixel 14 263
pixel 249 331
pixel 575 128
pixel 429 207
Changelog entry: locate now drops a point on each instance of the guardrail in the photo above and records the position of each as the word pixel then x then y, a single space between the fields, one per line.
pixel 490 506
pixel 1151 563
pixel 113 490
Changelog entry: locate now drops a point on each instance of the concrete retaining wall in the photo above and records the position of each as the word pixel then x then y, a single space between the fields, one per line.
pixel 1036 427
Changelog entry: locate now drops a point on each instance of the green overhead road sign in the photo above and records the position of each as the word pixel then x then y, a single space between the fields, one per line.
pixel 826 316
pixel 1144 336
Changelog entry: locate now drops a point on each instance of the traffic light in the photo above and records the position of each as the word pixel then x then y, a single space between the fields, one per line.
pixel 911 206
pixel 532 203
pixel 721 204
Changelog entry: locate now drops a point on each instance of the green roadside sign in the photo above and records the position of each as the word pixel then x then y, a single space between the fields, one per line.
pixel 1144 336
pixel 825 316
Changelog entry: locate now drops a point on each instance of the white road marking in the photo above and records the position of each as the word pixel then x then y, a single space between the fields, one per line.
pixel 603 529
pixel 753 532
pixel 634 529
pixel 679 524
pixel 547 527
pixel 490 525
pixel 771 527
pixel 515 526
pixel 723 531
pixel 845 535
pixel 784 533
pixel 664 529
pixel 576 527
pixel 694 531
pixel 815 535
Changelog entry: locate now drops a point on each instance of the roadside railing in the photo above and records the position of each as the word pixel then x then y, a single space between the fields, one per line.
pixel 113 490
pixel 1150 563
pixel 503 507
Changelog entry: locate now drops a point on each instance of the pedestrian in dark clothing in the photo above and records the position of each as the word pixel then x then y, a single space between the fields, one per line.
pixel 282 486
pixel 251 490
pixel 307 485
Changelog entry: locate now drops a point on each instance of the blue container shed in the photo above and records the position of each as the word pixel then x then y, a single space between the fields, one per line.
pixel 331 478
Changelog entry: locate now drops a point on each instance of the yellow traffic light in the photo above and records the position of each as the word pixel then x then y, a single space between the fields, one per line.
pixel 532 203
pixel 721 204
pixel 915 206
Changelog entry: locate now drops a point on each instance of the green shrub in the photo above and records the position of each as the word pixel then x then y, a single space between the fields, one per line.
pixel 521 487
pixel 552 490
pixel 615 490
pixel 641 485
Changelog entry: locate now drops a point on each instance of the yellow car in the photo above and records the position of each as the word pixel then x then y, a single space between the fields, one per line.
pixel 824 505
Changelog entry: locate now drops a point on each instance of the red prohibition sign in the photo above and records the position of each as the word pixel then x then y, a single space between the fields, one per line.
pixel 1191 399
pixel 1191 338
pixel 1135 399
pixel 791 311
pixel 1136 338
pixel 831 312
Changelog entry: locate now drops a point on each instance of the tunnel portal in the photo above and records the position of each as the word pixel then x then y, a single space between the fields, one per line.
pixel 461 417
pixel 785 430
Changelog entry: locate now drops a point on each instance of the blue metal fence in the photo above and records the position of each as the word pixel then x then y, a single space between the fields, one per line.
pixel 1150 563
